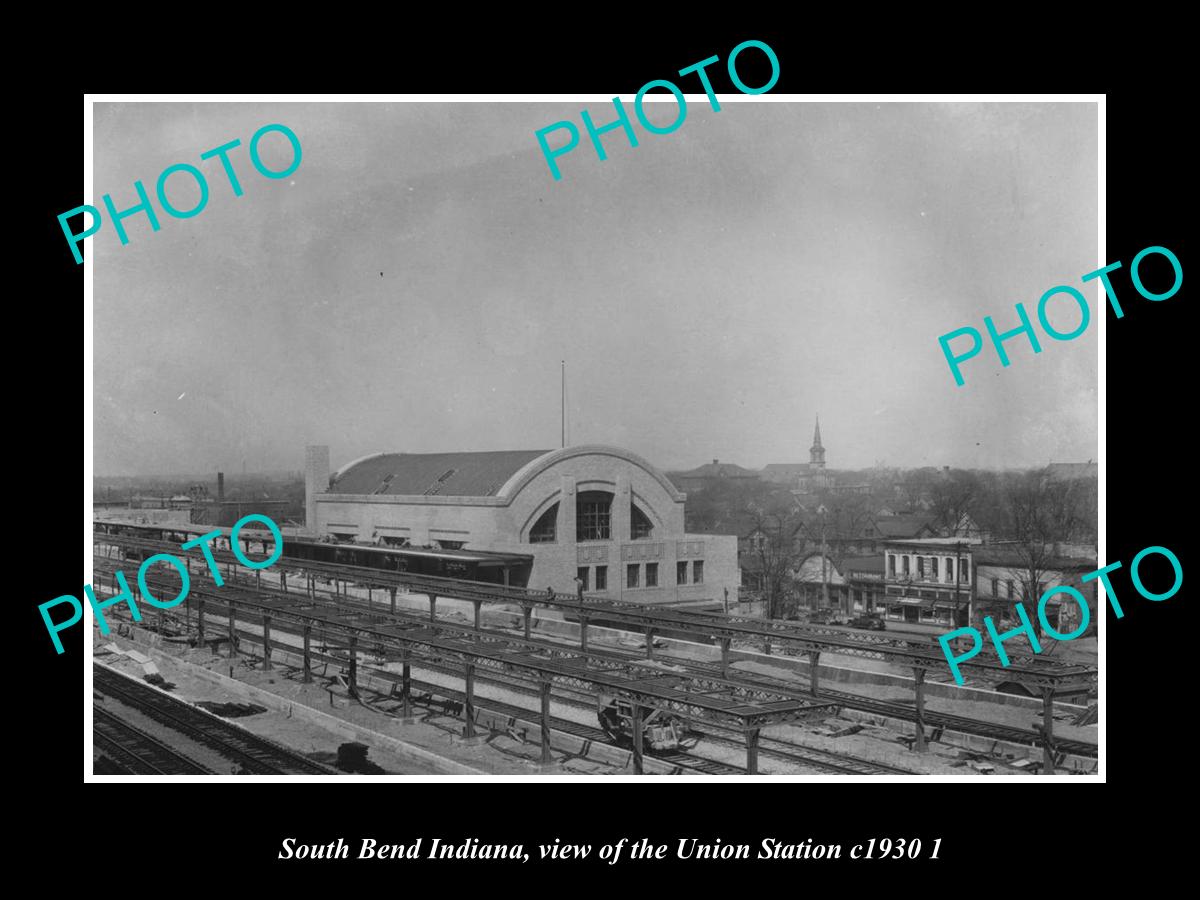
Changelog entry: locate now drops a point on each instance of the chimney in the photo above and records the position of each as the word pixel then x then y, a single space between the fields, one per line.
pixel 220 486
pixel 316 481
pixel 715 461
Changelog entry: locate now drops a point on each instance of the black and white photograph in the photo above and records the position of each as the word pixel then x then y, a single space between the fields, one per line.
pixel 596 439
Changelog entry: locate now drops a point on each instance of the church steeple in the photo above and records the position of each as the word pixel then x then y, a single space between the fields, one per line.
pixel 816 454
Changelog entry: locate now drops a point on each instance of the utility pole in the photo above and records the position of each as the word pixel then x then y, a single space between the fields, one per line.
pixel 563 411
pixel 824 552
pixel 957 581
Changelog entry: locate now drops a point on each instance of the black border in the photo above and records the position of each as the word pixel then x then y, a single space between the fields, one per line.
pixel 982 829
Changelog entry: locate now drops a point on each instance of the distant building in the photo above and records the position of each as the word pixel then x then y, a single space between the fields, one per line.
pixel 226 513
pixel 1072 471
pixel 869 537
pixel 818 576
pixel 858 487
pixel 1003 578
pixel 864 580
pixel 910 526
pixel 703 477
pixel 804 478
pixel 147 501
pixel 928 582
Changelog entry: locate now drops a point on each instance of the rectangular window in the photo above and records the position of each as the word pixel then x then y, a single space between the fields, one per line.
pixel 892 565
pixel 905 565
pixel 681 573
pixel 698 572
pixel 1010 589
pixel 631 575
pixel 602 578
pixel 963 568
pixel 933 562
pixel 583 576
pixel 949 570
pixel 995 587
pixel 592 520
pixel 920 567
pixel 651 574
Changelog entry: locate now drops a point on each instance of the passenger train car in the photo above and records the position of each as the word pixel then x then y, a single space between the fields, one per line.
pixel 473 565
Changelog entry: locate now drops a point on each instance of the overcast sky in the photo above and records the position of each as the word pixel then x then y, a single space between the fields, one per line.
pixel 414 284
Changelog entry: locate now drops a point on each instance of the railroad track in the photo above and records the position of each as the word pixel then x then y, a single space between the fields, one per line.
pixel 827 760
pixel 996 731
pixel 681 760
pixel 704 766
pixel 256 755
pixel 804 755
pixel 949 721
pixel 132 751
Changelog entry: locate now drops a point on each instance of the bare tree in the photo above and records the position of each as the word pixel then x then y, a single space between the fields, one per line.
pixel 954 497
pixel 916 487
pixel 775 550
pixel 1040 514
pixel 846 521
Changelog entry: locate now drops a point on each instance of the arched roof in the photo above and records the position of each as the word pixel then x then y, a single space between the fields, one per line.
pixel 441 474
pixel 540 464
pixel 498 473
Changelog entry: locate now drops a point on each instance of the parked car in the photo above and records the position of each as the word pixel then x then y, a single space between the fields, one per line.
pixel 871 623
pixel 824 617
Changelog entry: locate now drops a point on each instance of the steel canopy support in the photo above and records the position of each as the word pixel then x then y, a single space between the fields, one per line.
pixel 583 625
pixel 307 679
pixel 1047 731
pixel 266 643
pixel 528 610
pixel 637 739
pixel 752 751
pixel 406 684
pixel 919 686
pixel 545 722
pixel 814 671
pixel 354 667
pixel 469 702
pixel 725 644
pixel 432 607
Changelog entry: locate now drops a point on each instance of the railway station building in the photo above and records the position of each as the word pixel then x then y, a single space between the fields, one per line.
pixel 599 513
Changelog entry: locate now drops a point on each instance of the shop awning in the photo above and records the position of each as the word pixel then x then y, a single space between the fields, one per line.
pixel 918 602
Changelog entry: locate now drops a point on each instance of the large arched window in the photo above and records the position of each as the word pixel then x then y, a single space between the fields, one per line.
pixel 545 529
pixel 593 516
pixel 640 526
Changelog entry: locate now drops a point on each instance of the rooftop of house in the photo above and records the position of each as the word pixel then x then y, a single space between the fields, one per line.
pixel 715 469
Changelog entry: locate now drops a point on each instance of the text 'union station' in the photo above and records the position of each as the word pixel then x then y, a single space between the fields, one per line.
pixel 537 518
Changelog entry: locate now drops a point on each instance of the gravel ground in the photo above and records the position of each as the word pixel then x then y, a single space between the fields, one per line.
pixel 505 757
